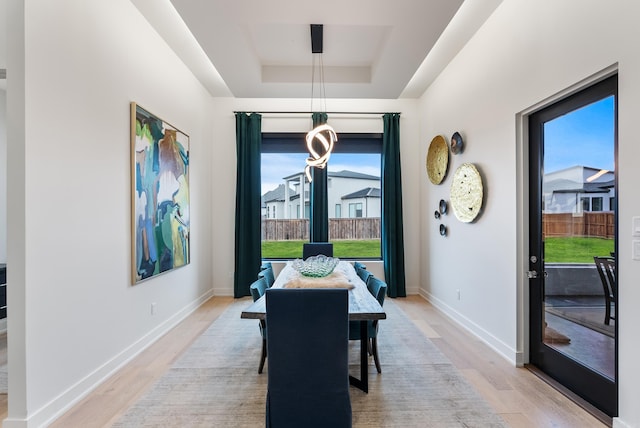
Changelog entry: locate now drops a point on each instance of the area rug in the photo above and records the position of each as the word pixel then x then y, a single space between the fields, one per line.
pixel 216 382
pixel 589 316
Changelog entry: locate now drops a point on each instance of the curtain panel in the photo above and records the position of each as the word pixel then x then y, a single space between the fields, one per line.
pixel 248 255
pixel 392 230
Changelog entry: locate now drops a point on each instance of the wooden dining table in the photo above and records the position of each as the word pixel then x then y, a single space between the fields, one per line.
pixel 363 307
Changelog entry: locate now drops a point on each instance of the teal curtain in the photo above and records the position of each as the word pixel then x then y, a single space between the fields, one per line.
pixel 248 255
pixel 319 221
pixel 392 231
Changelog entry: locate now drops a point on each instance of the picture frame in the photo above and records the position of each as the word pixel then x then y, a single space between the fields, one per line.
pixel 160 203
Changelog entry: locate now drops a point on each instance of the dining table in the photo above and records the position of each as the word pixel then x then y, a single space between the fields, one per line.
pixel 363 306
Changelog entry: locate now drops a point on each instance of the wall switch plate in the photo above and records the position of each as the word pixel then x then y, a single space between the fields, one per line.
pixel 635 251
pixel 635 226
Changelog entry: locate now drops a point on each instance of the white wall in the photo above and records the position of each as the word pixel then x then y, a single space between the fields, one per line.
pixel 224 124
pixel 525 53
pixel 3 176
pixel 74 316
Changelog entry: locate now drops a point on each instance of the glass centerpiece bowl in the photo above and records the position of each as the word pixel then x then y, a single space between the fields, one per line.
pixel 316 266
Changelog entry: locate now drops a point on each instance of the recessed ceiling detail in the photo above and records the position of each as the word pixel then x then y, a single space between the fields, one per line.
pixel 262 49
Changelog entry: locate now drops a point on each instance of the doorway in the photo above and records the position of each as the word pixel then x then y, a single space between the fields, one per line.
pixel 573 223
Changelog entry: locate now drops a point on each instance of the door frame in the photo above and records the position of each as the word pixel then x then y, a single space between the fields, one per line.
pixel 522 208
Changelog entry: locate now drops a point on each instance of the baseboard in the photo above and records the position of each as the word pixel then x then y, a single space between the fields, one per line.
pixel 490 340
pixel 72 396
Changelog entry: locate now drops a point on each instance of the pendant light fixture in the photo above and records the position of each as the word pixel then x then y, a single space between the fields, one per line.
pixel 320 140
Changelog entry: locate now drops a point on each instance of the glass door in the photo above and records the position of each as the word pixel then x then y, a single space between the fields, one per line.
pixel 573 200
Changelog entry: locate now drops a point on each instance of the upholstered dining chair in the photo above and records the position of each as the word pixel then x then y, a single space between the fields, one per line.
pixel 358 265
pixel 364 275
pixel 607 271
pixel 257 289
pixel 307 341
pixel 378 289
pixel 316 248
pixel 268 275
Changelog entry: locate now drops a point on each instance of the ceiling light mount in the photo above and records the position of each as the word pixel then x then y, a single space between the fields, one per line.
pixel 322 133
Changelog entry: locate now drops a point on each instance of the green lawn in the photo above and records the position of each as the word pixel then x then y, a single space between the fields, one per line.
pixel 557 250
pixel 576 249
pixel 342 249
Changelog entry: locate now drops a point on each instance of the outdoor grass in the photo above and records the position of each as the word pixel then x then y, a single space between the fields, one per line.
pixel 346 249
pixel 576 249
pixel 557 250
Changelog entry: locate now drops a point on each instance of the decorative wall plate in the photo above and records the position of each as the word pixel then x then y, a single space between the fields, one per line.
pixel 457 145
pixel 443 230
pixel 436 214
pixel 437 159
pixel 442 206
pixel 466 193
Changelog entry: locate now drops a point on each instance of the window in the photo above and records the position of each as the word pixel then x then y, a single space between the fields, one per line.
pixel 612 203
pixel 355 210
pixel 354 172
pixel 596 204
pixel 585 204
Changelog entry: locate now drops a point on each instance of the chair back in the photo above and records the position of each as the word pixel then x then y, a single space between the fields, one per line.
pixel 266 265
pixel 257 288
pixel 358 265
pixel 377 288
pixel 307 345
pixel 315 248
pixel 364 275
pixel 607 271
pixel 268 275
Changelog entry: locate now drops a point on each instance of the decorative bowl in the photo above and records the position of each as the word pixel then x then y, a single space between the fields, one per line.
pixel 316 266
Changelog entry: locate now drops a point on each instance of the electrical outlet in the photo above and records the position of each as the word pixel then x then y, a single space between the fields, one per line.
pixel 153 308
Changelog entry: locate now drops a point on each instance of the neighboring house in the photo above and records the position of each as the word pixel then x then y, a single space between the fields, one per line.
pixel 363 203
pixel 351 194
pixel 578 189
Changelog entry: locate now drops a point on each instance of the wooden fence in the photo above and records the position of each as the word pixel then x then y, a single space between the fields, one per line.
pixel 597 224
pixel 339 228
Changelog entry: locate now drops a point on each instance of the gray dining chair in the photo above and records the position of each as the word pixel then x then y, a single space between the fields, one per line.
pixel 307 343
pixel 257 289
pixel 378 289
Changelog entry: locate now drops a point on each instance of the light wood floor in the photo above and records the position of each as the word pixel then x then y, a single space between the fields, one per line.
pixel 518 395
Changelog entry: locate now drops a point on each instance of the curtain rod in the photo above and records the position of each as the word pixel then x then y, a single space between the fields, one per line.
pixel 310 112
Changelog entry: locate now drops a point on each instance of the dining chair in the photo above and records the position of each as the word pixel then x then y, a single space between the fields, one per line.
pixel 307 341
pixel 316 248
pixel 358 265
pixel 378 289
pixel 257 289
pixel 268 275
pixel 607 271
pixel 363 274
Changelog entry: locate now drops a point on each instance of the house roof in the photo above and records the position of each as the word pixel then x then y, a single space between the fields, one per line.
pixel 569 186
pixel 275 195
pixel 367 192
pixel 340 174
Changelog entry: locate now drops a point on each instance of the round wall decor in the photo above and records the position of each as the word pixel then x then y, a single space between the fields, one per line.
pixel 466 193
pixel 437 159
pixel 457 145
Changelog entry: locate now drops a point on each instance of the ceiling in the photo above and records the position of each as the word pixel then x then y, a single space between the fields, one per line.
pixel 262 49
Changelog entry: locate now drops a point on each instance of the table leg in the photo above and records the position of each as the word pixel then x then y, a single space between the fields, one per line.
pixel 363 382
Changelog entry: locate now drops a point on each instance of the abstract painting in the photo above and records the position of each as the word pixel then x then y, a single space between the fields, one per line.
pixel 160 195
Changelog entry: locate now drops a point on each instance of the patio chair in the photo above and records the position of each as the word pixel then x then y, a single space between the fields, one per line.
pixel 607 271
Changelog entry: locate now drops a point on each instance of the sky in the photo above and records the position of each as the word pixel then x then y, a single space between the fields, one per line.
pixel 583 137
pixel 275 166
